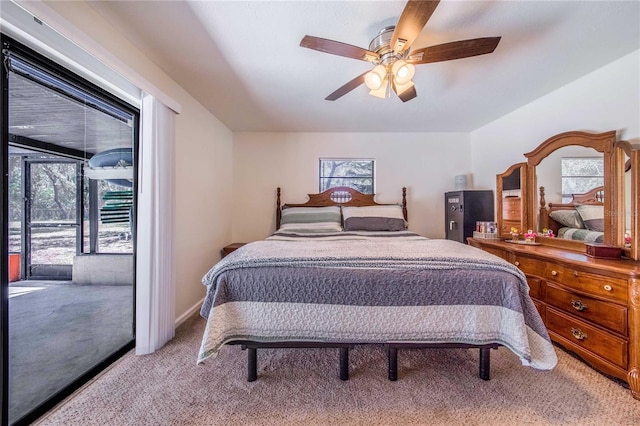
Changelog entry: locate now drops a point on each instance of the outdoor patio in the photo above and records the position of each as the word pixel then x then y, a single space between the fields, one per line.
pixel 59 330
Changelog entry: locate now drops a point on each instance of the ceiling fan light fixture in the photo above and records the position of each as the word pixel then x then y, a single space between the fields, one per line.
pixel 374 79
pixel 401 88
pixel 381 92
pixel 403 72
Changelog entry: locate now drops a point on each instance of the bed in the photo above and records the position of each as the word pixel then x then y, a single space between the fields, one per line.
pixel 582 219
pixel 343 270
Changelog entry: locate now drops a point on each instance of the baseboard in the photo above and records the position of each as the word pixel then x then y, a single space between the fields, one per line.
pixel 195 308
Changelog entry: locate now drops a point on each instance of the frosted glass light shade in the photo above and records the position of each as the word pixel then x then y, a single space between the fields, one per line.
pixel 403 72
pixel 374 78
pixel 401 88
pixel 381 92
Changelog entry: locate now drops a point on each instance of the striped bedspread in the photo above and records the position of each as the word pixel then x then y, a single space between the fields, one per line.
pixel 368 287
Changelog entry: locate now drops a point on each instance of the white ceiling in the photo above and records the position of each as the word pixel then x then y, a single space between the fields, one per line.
pixel 242 60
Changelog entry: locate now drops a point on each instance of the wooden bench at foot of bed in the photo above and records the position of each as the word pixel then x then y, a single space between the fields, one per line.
pixel 484 368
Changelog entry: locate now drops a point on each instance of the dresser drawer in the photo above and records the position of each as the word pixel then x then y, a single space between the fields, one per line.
pixel 529 266
pixel 508 224
pixel 541 309
pixel 512 204
pixel 609 315
pixel 535 287
pixel 511 211
pixel 496 251
pixel 607 287
pixel 579 333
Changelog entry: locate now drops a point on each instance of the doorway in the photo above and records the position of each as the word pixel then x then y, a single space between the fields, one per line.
pixel 69 209
pixel 52 215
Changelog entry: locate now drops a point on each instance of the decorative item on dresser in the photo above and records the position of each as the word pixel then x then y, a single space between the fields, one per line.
pixel 588 294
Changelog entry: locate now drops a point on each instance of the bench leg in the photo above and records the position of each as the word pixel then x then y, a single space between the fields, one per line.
pixel 392 354
pixel 344 363
pixel 485 363
pixel 252 364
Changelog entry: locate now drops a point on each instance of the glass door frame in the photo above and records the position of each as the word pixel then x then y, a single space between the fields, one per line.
pixel 27 222
pixel 13 46
pixel 4 243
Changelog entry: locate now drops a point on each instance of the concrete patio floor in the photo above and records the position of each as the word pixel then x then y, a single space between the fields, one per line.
pixel 58 331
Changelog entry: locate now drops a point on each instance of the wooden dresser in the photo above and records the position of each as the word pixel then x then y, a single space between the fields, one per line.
pixel 590 306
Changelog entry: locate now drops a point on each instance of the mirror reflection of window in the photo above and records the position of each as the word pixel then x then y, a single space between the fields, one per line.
pixel 580 175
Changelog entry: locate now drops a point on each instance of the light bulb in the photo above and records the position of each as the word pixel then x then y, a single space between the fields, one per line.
pixel 374 78
pixel 403 72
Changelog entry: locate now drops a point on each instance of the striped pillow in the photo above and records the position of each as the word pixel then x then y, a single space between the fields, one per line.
pixel 374 218
pixel 311 219
pixel 569 218
pixel 592 215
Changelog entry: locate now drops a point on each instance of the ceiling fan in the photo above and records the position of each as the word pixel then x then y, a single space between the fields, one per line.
pixel 391 54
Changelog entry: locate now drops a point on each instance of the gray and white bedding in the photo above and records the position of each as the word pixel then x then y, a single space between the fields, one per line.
pixel 581 235
pixel 371 287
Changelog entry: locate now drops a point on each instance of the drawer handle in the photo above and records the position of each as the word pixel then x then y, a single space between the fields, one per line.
pixel 578 305
pixel 554 273
pixel 608 287
pixel 578 334
pixel 516 263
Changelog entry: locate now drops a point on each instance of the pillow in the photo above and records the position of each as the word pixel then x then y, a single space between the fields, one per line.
pixel 568 218
pixel 374 218
pixel 311 219
pixel 592 215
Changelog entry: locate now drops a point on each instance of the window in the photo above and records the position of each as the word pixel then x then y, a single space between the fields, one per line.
pixel 580 175
pixel 357 174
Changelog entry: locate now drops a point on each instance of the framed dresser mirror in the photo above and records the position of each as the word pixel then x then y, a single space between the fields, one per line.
pixel 512 211
pixel 627 158
pixel 576 202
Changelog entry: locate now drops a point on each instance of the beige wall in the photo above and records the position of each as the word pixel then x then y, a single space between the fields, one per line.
pixel 425 163
pixel 203 166
pixel 606 99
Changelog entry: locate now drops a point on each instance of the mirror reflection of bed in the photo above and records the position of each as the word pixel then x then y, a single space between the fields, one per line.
pixel 581 219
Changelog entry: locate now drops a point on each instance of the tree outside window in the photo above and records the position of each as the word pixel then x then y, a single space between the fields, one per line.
pixel 353 173
pixel 580 175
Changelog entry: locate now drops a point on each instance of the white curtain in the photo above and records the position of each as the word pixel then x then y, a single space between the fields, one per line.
pixel 155 292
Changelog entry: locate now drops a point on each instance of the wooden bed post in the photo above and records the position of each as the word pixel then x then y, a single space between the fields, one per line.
pixel 404 203
pixel 278 210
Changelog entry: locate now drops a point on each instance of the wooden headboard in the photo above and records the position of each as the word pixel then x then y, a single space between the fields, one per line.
pixel 338 196
pixel 595 196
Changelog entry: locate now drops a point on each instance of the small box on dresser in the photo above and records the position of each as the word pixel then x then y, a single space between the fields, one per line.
pixel 603 251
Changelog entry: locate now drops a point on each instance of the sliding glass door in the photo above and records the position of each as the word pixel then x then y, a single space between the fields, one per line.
pixel 68 231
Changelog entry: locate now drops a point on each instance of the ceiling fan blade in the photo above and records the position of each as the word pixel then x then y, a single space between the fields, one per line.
pixel 413 19
pixel 407 93
pixel 338 48
pixel 454 50
pixel 343 90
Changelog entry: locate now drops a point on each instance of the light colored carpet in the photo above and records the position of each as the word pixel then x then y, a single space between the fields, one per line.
pixel 301 387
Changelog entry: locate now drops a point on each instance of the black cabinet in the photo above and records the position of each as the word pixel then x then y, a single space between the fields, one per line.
pixel 463 209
